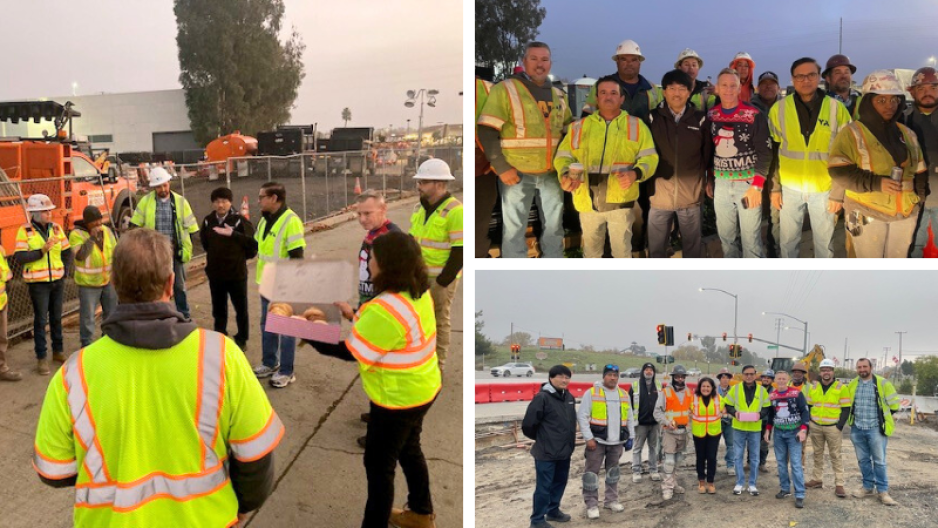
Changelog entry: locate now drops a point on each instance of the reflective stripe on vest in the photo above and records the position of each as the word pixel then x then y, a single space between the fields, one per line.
pixel 675 409
pixel 703 422
pixel 49 267
pixel 95 270
pixel 759 399
pixel 434 240
pixel 519 146
pixel 826 406
pixel 885 203
pixel 417 350
pixel 278 241
pixel 599 409
pixel 786 151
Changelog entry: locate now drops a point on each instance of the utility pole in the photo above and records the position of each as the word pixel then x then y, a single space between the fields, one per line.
pixel 778 336
pixel 845 352
pixel 899 365
pixel 840 46
pixel 885 356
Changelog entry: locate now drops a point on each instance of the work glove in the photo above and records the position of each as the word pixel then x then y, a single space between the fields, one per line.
pixel 628 445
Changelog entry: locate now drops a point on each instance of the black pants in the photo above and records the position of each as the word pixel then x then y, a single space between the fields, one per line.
pixel 238 291
pixel 394 436
pixel 706 448
pixel 486 196
pixel 47 309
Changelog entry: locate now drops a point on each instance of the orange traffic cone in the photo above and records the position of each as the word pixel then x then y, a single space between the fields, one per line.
pixel 245 209
pixel 930 250
pixel 358 185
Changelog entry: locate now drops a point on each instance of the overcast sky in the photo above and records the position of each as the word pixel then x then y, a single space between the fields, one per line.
pixel 361 54
pixel 583 35
pixel 610 309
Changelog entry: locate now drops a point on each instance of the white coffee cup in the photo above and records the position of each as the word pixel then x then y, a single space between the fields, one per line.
pixel 575 171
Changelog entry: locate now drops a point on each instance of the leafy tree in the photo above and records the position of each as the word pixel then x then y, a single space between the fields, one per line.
pixel 503 28
pixel 346 115
pixel 483 345
pixel 519 338
pixel 926 372
pixel 907 368
pixel 236 73
pixel 905 387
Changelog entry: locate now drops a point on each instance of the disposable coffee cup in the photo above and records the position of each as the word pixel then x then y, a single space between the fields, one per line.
pixel 575 171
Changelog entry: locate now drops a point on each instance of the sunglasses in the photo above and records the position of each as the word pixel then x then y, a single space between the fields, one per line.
pixel 612 367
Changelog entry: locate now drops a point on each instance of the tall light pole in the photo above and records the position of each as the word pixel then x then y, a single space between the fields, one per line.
pixel 805 323
pixel 932 61
pixel 425 95
pixel 899 366
pixel 735 310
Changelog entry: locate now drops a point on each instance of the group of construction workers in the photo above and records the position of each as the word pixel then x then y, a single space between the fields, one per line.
pixel 219 467
pixel 786 411
pixel 658 151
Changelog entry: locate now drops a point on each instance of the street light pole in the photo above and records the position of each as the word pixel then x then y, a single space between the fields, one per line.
pixel 735 311
pixel 805 323
pixel 430 96
pixel 899 365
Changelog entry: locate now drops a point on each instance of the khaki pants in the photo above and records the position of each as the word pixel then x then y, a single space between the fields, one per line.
pixel 673 444
pixel 442 302
pixel 820 435
pixel 594 225
pixel 609 456
pixel 3 338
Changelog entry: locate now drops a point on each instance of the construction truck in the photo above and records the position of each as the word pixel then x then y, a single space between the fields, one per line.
pixel 54 165
pixel 812 360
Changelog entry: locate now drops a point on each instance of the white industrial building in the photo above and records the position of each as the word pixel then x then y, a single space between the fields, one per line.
pixel 156 121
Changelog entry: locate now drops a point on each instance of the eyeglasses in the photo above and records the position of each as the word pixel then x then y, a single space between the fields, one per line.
pixel 806 77
pixel 891 101
pixel 262 196
pixel 749 373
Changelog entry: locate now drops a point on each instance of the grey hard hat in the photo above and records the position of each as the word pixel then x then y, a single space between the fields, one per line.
pixel 679 370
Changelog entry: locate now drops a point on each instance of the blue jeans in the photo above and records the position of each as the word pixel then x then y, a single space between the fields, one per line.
pixel 88 298
pixel 794 204
pixel 271 344
pixel 735 224
pixel 870 445
pixel 552 478
pixel 929 216
pixel 788 447
pixel 740 440
pixel 730 457
pixel 179 288
pixel 516 206
pixel 47 309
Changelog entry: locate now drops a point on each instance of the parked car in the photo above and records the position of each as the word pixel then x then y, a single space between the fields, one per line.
pixel 633 372
pixel 693 372
pixel 509 370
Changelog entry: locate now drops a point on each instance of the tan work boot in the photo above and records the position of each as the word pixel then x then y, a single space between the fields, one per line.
pixel 840 492
pixel 814 484
pixel 42 367
pixel 667 494
pixel 59 357
pixel 864 493
pixel 887 500
pixel 700 486
pixel 10 375
pixel 711 489
pixel 408 519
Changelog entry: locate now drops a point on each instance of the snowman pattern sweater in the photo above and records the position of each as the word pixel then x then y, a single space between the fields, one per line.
pixel 742 144
pixel 788 410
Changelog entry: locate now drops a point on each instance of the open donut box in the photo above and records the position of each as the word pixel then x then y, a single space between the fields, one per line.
pixel 303 284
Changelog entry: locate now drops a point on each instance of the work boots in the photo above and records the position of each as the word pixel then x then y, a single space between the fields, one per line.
pixel 887 500
pixel 700 487
pixel 8 374
pixel 43 368
pixel 814 484
pixel 408 519
pixel 59 357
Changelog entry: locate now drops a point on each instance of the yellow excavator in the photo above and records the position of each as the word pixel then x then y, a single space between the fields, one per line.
pixel 811 360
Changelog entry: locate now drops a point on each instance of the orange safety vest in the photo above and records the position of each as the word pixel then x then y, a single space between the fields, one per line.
pixel 676 410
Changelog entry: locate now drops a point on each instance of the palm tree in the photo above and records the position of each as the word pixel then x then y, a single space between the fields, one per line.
pixel 346 115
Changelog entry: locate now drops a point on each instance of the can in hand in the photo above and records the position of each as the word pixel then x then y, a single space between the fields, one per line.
pixel 896 174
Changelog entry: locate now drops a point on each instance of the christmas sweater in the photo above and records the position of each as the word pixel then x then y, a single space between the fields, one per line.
pixel 788 411
pixel 742 143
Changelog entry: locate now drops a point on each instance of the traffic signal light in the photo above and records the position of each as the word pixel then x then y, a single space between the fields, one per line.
pixel 724 336
pixel 669 335
pixel 733 362
pixel 662 334
pixel 750 338
pixel 688 336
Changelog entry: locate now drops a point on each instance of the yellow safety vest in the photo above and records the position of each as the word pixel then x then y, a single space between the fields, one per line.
pixel 710 102
pixel 94 271
pixel 150 446
pixel 653 97
pixel 5 276
pixel 705 419
pixel 826 406
pixel 528 139
pixel 49 267
pixel 483 88
pixel 186 224
pixel 888 402
pixel 284 236
pixel 626 140
pixel 803 167
pixel 599 421
pixel 736 397
pixel 856 145
pixel 438 234
pixel 394 340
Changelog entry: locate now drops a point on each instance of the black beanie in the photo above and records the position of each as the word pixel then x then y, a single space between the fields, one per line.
pixel 222 192
pixel 91 214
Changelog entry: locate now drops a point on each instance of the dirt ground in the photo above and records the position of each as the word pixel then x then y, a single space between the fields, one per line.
pixel 505 484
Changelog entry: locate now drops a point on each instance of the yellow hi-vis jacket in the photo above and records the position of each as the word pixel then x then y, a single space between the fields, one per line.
pixel 394 340
pixel 826 406
pixel 803 167
pixel 626 140
pixel 94 271
pixel 599 415
pixel 284 236
pixel 438 233
pixel 856 145
pixel 49 268
pixel 186 224
pixel 148 432
pixel 528 139
pixel 705 419
pixel 483 88
pixel 736 396
pixel 886 398
pixel 5 276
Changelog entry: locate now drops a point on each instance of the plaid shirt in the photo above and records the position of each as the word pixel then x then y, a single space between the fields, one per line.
pixel 164 218
pixel 866 410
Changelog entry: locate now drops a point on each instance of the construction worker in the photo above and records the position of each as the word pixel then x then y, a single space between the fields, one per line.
pixel 706 412
pixel 93 244
pixel 640 95
pixel 788 418
pixel 393 340
pixel 685 149
pixel 742 157
pixel 672 410
pixel 830 408
pixel 768 378
pixel 922 119
pixel 879 172
pixel 726 421
pixel 279 237
pixel 605 419
pixel 486 179
pixel 838 75
pixel 701 93
pixel 437 226
pixel 799 373
pixel 44 252
pixel 768 94
pixel 804 125
pixel 169 213
pixel 873 401
pixel 6 373
pixel 523 120
pixel 228 240
pixel 746 68
pixel 748 404
pixel 617 152
pixel 159 422
pixel 644 397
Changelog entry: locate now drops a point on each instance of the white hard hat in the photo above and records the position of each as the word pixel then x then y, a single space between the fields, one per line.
pixel 628 47
pixel 434 169
pixel 882 82
pixel 159 176
pixel 39 202
pixel 741 55
pixel 688 54
pixel 826 363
